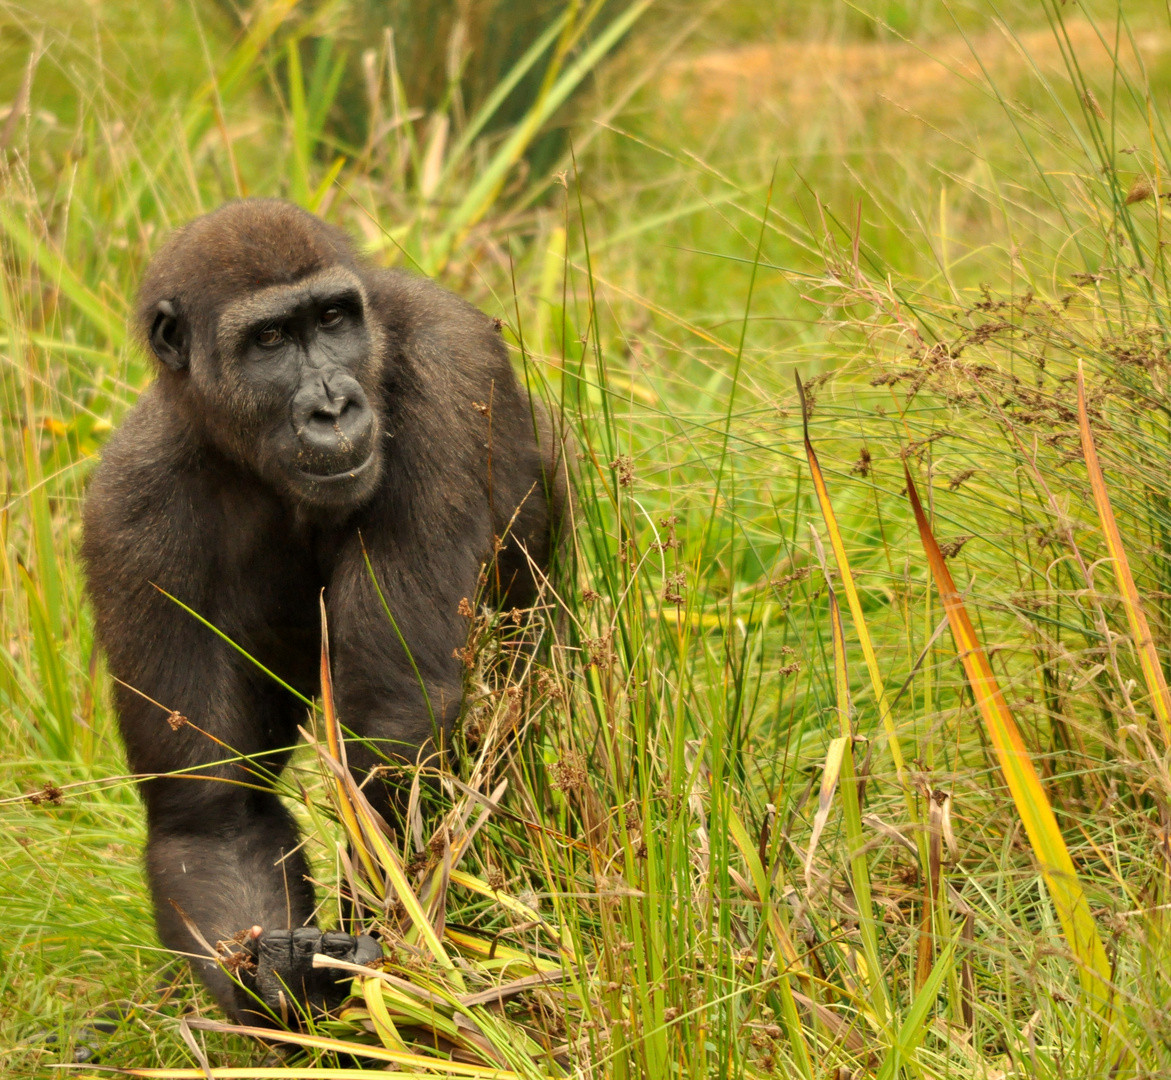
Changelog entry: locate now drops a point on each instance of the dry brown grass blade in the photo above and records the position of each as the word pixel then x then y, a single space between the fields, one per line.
pixel 967 975
pixel 194 931
pixel 829 782
pixel 456 843
pixel 510 989
pixel 925 958
pixel 834 1023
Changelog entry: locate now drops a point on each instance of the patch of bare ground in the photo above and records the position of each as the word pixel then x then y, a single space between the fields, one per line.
pixel 788 78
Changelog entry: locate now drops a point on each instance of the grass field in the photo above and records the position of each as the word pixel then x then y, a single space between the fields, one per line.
pixel 804 782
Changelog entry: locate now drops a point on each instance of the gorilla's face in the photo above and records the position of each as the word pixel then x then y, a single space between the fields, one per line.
pixel 286 380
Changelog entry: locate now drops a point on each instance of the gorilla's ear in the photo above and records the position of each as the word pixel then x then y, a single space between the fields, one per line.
pixel 168 336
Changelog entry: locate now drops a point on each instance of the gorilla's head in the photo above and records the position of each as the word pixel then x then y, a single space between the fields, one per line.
pixel 258 313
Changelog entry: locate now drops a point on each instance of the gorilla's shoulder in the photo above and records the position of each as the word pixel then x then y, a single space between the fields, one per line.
pixel 402 296
pixel 144 463
pixel 153 433
pixel 439 333
pixel 446 367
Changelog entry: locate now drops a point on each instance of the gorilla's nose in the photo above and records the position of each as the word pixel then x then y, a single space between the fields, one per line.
pixel 336 429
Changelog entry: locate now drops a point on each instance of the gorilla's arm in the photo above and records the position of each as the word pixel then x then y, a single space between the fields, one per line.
pixel 375 682
pixel 221 848
pixel 463 477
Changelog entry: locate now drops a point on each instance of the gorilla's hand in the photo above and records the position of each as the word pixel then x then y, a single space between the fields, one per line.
pixel 284 976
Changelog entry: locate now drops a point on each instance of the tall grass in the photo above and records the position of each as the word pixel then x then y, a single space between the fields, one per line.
pixel 841 747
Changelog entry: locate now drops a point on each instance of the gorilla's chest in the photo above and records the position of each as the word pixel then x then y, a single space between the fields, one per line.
pixel 271 576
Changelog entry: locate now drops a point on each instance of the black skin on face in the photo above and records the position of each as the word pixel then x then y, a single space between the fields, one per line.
pixel 307 404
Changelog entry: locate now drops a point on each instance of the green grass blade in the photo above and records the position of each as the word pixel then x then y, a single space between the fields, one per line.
pixel 851 591
pixel 912 1030
pixel 97 311
pixel 500 93
pixel 54 682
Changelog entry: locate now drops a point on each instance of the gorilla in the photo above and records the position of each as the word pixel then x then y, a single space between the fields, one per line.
pixel 310 411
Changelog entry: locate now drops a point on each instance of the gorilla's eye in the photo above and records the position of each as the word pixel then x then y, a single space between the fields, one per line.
pixel 270 337
pixel 331 317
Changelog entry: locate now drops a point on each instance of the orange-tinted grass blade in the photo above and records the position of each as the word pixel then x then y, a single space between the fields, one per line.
pixel 855 605
pixel 1032 804
pixel 333 737
pixel 337 750
pixel 1140 631
pixel 925 959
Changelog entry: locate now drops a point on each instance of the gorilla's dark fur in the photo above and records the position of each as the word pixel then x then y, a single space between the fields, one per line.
pixel 306 404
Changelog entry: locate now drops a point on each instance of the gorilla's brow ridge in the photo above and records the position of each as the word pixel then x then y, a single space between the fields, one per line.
pixel 268 303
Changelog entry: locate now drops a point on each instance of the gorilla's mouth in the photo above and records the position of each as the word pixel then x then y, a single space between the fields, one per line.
pixel 336 440
pixel 324 471
pixel 335 449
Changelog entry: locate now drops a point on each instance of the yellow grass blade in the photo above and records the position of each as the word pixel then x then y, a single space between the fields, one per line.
pixel 380 1016
pixel 359 817
pixel 505 900
pixel 1048 844
pixel 371 832
pixel 855 605
pixel 323 1042
pixel 485 948
pixel 841 672
pixel 318 1072
pixel 851 810
pixel 1140 631
pixel 474 884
